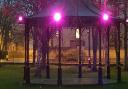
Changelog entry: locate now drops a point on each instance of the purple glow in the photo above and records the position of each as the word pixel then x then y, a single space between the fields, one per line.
pixel 20 18
pixel 127 20
pixel 89 59
pixel 57 16
pixel 105 17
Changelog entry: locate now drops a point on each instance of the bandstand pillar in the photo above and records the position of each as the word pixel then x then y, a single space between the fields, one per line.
pixel 108 59
pixel 59 80
pixel 34 45
pixel 100 79
pixel 26 63
pixel 118 54
pixel 47 65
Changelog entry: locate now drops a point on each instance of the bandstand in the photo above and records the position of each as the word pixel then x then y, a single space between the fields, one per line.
pixel 81 15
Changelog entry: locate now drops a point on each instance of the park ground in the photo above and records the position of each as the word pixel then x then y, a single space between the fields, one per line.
pixel 11 77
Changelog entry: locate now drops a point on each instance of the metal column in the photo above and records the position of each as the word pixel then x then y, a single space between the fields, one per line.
pixel 100 80
pixel 26 67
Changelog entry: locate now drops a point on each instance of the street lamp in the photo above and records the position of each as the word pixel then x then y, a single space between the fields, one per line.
pixel 57 17
pixel 20 18
pixel 105 19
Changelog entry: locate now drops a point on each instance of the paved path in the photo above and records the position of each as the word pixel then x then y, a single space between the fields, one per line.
pixel 71 81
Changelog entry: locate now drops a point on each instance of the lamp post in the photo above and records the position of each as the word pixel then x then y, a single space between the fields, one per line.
pixel 105 18
pixel 26 63
pixel 57 18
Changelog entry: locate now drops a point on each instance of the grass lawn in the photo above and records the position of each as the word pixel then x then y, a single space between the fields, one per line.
pixel 11 77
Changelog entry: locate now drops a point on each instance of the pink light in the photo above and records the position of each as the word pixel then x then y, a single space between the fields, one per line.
pixel 127 20
pixel 57 16
pixel 20 18
pixel 89 59
pixel 105 17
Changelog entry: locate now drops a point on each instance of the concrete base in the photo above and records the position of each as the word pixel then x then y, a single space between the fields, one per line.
pixel 71 81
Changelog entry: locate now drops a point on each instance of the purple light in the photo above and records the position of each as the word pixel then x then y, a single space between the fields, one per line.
pixel 105 17
pixel 20 18
pixel 57 16
pixel 89 59
pixel 127 20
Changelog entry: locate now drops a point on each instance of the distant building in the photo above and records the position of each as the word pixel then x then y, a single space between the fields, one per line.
pixel 70 38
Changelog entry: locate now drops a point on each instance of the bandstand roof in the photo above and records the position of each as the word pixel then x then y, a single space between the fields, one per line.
pixel 71 8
